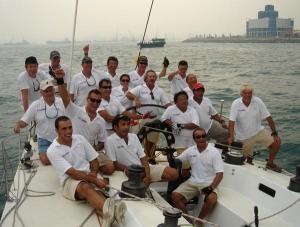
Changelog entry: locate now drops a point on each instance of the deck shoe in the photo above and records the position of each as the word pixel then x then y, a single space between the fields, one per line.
pixel 120 211
pixel 274 167
pixel 108 212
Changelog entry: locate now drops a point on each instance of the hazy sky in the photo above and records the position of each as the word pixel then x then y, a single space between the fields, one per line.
pixel 41 20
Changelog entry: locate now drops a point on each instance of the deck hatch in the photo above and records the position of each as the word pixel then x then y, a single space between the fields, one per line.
pixel 264 188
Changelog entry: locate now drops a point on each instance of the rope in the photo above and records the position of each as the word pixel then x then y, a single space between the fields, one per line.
pixel 145 32
pixel 160 206
pixel 278 212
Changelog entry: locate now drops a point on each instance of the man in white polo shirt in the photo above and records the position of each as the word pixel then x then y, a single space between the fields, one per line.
pixel 246 114
pixel 178 78
pixel 125 149
pixel 75 161
pixel 206 174
pixel 43 111
pixel 182 117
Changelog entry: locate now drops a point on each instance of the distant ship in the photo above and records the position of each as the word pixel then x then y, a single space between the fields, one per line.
pixel 11 43
pixel 65 41
pixel 156 42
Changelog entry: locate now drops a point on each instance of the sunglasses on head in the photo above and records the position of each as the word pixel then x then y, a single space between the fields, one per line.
pixel 127 81
pixel 95 100
pixel 106 87
pixel 200 136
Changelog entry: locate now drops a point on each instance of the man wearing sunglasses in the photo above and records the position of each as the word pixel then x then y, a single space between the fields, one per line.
pixel 111 106
pixel 87 122
pixel 206 174
pixel 43 111
pixel 29 82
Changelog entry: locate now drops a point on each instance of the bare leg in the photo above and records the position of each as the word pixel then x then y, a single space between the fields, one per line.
pixel 107 169
pixel 179 201
pixel 169 174
pixel 85 191
pixel 208 205
pixel 273 150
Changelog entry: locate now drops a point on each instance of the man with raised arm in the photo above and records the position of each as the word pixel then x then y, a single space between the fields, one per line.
pixel 178 78
pixel 206 174
pixel 87 122
pixel 75 161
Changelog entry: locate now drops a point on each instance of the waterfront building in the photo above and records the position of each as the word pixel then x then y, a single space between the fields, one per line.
pixel 268 24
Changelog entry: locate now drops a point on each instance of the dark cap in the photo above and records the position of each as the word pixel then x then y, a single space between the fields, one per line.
pixel 54 54
pixel 198 86
pixel 86 59
pixel 31 60
pixel 143 59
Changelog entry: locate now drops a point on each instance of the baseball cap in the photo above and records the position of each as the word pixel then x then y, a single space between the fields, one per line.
pixel 86 59
pixel 31 60
pixel 143 59
pixel 198 85
pixel 54 54
pixel 46 83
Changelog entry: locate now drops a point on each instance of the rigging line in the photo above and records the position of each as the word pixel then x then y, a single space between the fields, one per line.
pixel 73 43
pixel 144 32
pixel 278 212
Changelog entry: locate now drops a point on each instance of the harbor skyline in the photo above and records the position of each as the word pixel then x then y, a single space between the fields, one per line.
pixel 39 21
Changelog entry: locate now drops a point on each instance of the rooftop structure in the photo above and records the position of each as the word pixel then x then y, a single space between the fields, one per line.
pixel 268 24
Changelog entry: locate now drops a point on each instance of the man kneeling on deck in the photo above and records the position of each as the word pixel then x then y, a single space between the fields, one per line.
pixel 76 162
pixel 206 174
pixel 125 149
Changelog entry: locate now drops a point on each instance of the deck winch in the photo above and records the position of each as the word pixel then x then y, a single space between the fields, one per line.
pixel 295 181
pixel 134 185
pixel 171 217
pixel 234 156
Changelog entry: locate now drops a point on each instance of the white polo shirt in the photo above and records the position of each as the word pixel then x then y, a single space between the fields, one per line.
pixel 78 156
pixel 113 107
pixel 82 85
pixel 126 154
pixel 185 138
pixel 143 93
pixel 248 119
pixel 44 116
pixel 178 84
pixel 205 110
pixel 32 84
pixel 136 79
pixel 115 80
pixel 91 130
pixel 121 96
pixel 204 165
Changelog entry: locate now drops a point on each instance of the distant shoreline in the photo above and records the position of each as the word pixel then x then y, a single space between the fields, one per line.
pixel 241 40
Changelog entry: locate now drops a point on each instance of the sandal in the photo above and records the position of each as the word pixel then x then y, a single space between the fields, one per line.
pixel 274 167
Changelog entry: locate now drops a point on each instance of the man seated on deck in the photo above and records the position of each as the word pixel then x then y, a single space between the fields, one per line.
pixel 87 122
pixel 206 174
pixel 76 162
pixel 125 149
pixel 248 111
pixel 43 111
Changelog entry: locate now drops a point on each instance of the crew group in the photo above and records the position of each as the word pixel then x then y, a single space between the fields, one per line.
pixel 88 129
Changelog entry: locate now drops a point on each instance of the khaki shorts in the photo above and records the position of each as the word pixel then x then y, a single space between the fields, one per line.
pixel 103 159
pixel 69 188
pixel 263 138
pixel 156 172
pixel 189 189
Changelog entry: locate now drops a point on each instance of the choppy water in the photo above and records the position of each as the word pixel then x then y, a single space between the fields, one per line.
pixel 273 69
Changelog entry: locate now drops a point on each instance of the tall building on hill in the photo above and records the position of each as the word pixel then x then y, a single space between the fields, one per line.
pixel 268 24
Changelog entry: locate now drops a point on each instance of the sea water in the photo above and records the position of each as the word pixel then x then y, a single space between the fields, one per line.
pixel 273 70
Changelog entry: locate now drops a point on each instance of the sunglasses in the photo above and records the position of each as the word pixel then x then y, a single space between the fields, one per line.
pixel 152 96
pixel 143 63
pixel 95 100
pixel 127 81
pixel 200 136
pixel 106 87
